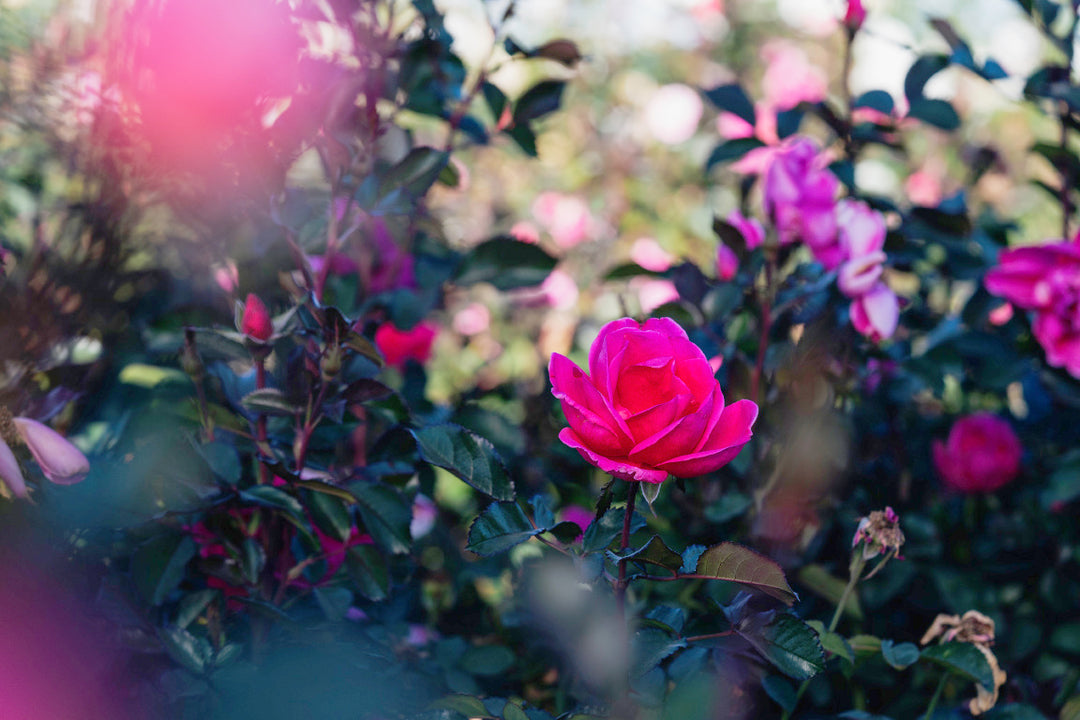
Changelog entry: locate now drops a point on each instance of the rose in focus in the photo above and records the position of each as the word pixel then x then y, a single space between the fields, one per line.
pixel 981 455
pixel 649 406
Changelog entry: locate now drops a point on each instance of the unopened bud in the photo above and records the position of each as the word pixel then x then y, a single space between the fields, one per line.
pixel 330 365
pixel 256 322
pixel 62 462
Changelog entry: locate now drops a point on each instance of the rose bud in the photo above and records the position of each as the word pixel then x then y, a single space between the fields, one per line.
pixel 62 462
pixel 650 405
pixel 981 455
pixel 855 15
pixel 10 472
pixel 256 322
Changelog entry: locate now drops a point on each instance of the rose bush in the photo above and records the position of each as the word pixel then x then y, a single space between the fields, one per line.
pixel 981 455
pixel 650 406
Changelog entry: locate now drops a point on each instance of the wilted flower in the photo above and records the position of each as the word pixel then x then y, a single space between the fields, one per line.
pixel 879 532
pixel 256 322
pixel 978 630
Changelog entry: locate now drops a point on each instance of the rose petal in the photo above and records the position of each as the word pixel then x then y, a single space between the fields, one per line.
pixel 586 409
pixel 10 472
pixel 62 462
pixel 599 360
pixel 618 467
pixel 680 437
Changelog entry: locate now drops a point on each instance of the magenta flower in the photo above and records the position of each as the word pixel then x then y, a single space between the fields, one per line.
pixel 256 322
pixel 981 455
pixel 751 230
pixel 650 405
pixel 876 313
pixel 855 15
pixel 398 345
pixel 800 196
pixel 59 460
pixel 727 263
pixel 1046 280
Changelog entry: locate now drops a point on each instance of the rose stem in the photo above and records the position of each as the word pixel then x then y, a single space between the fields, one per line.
pixel 260 420
pixel 620 595
pixel 857 564
pixel 937 696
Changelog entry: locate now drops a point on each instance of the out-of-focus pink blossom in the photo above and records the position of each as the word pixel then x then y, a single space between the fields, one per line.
pixel 1002 314
pixel 424 514
pixel 340 264
pixel 472 319
pixel 582 517
pixel 565 217
pixel 800 196
pixel 420 635
pixel 706 10
pixel 733 127
pixel 727 263
pixel 876 313
pixel 855 15
pixel 647 253
pixel 398 346
pixel 981 455
pixel 752 231
pixel 716 362
pixel 654 293
pixel 390 267
pixel 861 274
pixel 923 187
pixel 1046 280
pixel 860 228
pixel 672 113
pixel 790 78
pixel 226 276
pixel 559 290
pixel 59 460
pixel 525 231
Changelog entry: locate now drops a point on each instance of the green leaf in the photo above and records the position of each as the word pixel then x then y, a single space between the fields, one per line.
pixel 525 138
pixel 159 563
pixel 601 533
pixel 192 605
pixel 1063 484
pixel 920 72
pixel 466 705
pixel 506 264
pixel 792 647
pixel 330 514
pixel 818 580
pixel 513 711
pixel 1066 638
pixel 732 98
pixel 192 652
pixel 729 506
pixel 878 100
pixel 416 172
pixel 865 644
pixel 468 456
pixel 650 646
pixel 222 459
pixel 361 345
pixel 900 656
pixel 539 100
pixel 275 498
pixel 654 552
pixel 1071 709
pixel 781 691
pixel 269 401
pixel 728 561
pixel 334 601
pixel 367 568
pixel 938 113
pixel 961 658
pixel 498 528
pixel 834 643
pixel 731 150
pixel 386 515
pixel 487 660
pixel 495 99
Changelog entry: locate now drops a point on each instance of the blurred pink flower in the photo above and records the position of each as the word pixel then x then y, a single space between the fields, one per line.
pixel 789 77
pixel 861 274
pixel 525 231
pixel 339 265
pixel 923 188
pixel 559 290
pixel 876 313
pixel 981 455
pixel 647 253
pixel 397 346
pixel 1046 280
pixel 60 461
pixel 226 276
pixel 727 263
pixel 751 230
pixel 390 267
pixel 582 517
pixel 472 319
pixel 855 15
pixel 705 10
pixel 1002 314
pixel 424 514
pixel 654 293
pixel 860 239
pixel 672 113
pixel 565 217
pixel 800 196
pixel 733 127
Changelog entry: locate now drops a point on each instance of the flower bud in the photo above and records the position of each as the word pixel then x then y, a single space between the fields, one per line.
pixel 256 322
pixel 62 462
pixel 855 15
pixel 10 473
pixel 330 364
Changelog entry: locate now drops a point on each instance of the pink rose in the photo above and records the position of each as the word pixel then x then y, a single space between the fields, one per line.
pixel 397 346
pixel 650 406
pixel 752 231
pixel 800 195
pixel 654 293
pixel 861 274
pixel 876 313
pixel 790 78
pixel 525 231
pixel 472 319
pixel 727 263
pixel 860 239
pixel 1045 279
pixel 566 217
pixel 559 290
pixel 981 455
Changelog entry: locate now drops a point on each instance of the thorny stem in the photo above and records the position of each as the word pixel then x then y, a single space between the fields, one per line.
pixel 710 636
pixel 623 706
